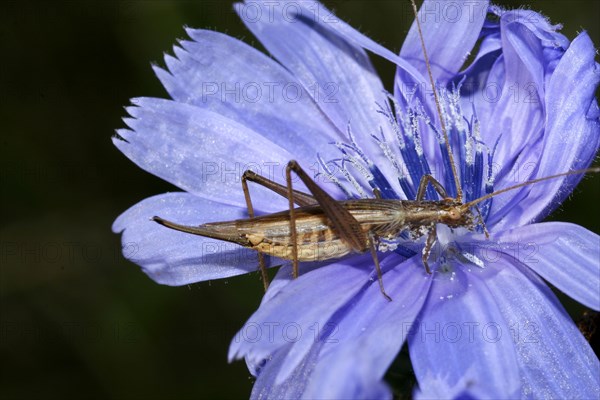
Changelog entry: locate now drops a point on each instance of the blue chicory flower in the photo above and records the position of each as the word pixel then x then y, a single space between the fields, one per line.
pixel 485 325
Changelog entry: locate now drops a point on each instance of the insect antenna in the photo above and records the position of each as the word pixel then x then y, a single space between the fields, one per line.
pixel 437 105
pixel 527 183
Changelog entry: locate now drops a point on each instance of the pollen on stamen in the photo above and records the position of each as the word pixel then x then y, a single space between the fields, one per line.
pixel 406 155
pixel 387 152
pixel 331 177
pixel 413 130
pixel 357 187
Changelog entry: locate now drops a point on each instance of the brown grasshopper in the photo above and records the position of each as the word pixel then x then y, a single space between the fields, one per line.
pixel 322 228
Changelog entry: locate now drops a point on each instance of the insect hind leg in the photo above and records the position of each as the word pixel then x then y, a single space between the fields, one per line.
pixel 377 266
pixel 347 227
pixel 436 185
pixel 261 258
pixel 300 198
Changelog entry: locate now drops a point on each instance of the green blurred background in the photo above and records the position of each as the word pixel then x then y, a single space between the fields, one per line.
pixel 77 320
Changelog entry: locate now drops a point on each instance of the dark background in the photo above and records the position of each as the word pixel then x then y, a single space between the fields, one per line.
pixel 77 320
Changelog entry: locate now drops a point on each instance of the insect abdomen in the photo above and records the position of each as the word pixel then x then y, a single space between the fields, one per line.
pixel 307 250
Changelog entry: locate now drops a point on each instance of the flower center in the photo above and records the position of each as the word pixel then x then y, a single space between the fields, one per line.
pixel 417 148
pixel 413 152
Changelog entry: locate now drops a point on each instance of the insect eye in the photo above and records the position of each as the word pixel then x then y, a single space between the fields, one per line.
pixel 454 214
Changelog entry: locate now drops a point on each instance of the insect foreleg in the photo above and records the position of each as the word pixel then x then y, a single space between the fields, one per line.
pixel 293 233
pixel 300 198
pixel 431 239
pixel 377 267
pixel 482 223
pixel 436 185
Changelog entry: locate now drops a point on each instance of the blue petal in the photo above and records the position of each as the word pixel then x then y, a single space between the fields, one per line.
pixel 362 326
pixel 172 140
pixel 176 258
pixel 460 25
pixel 407 71
pixel 479 75
pixel 226 76
pixel 555 361
pixel 335 71
pixel 566 255
pixel 450 30
pixel 461 341
pixel 518 116
pixel 531 47
pixel 293 387
pixel 293 314
pixel 369 333
pixel 572 137
pixel 347 374
pixel 523 74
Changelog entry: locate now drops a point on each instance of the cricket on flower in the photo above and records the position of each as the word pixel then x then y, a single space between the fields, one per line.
pixel 331 229
pixel 429 166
